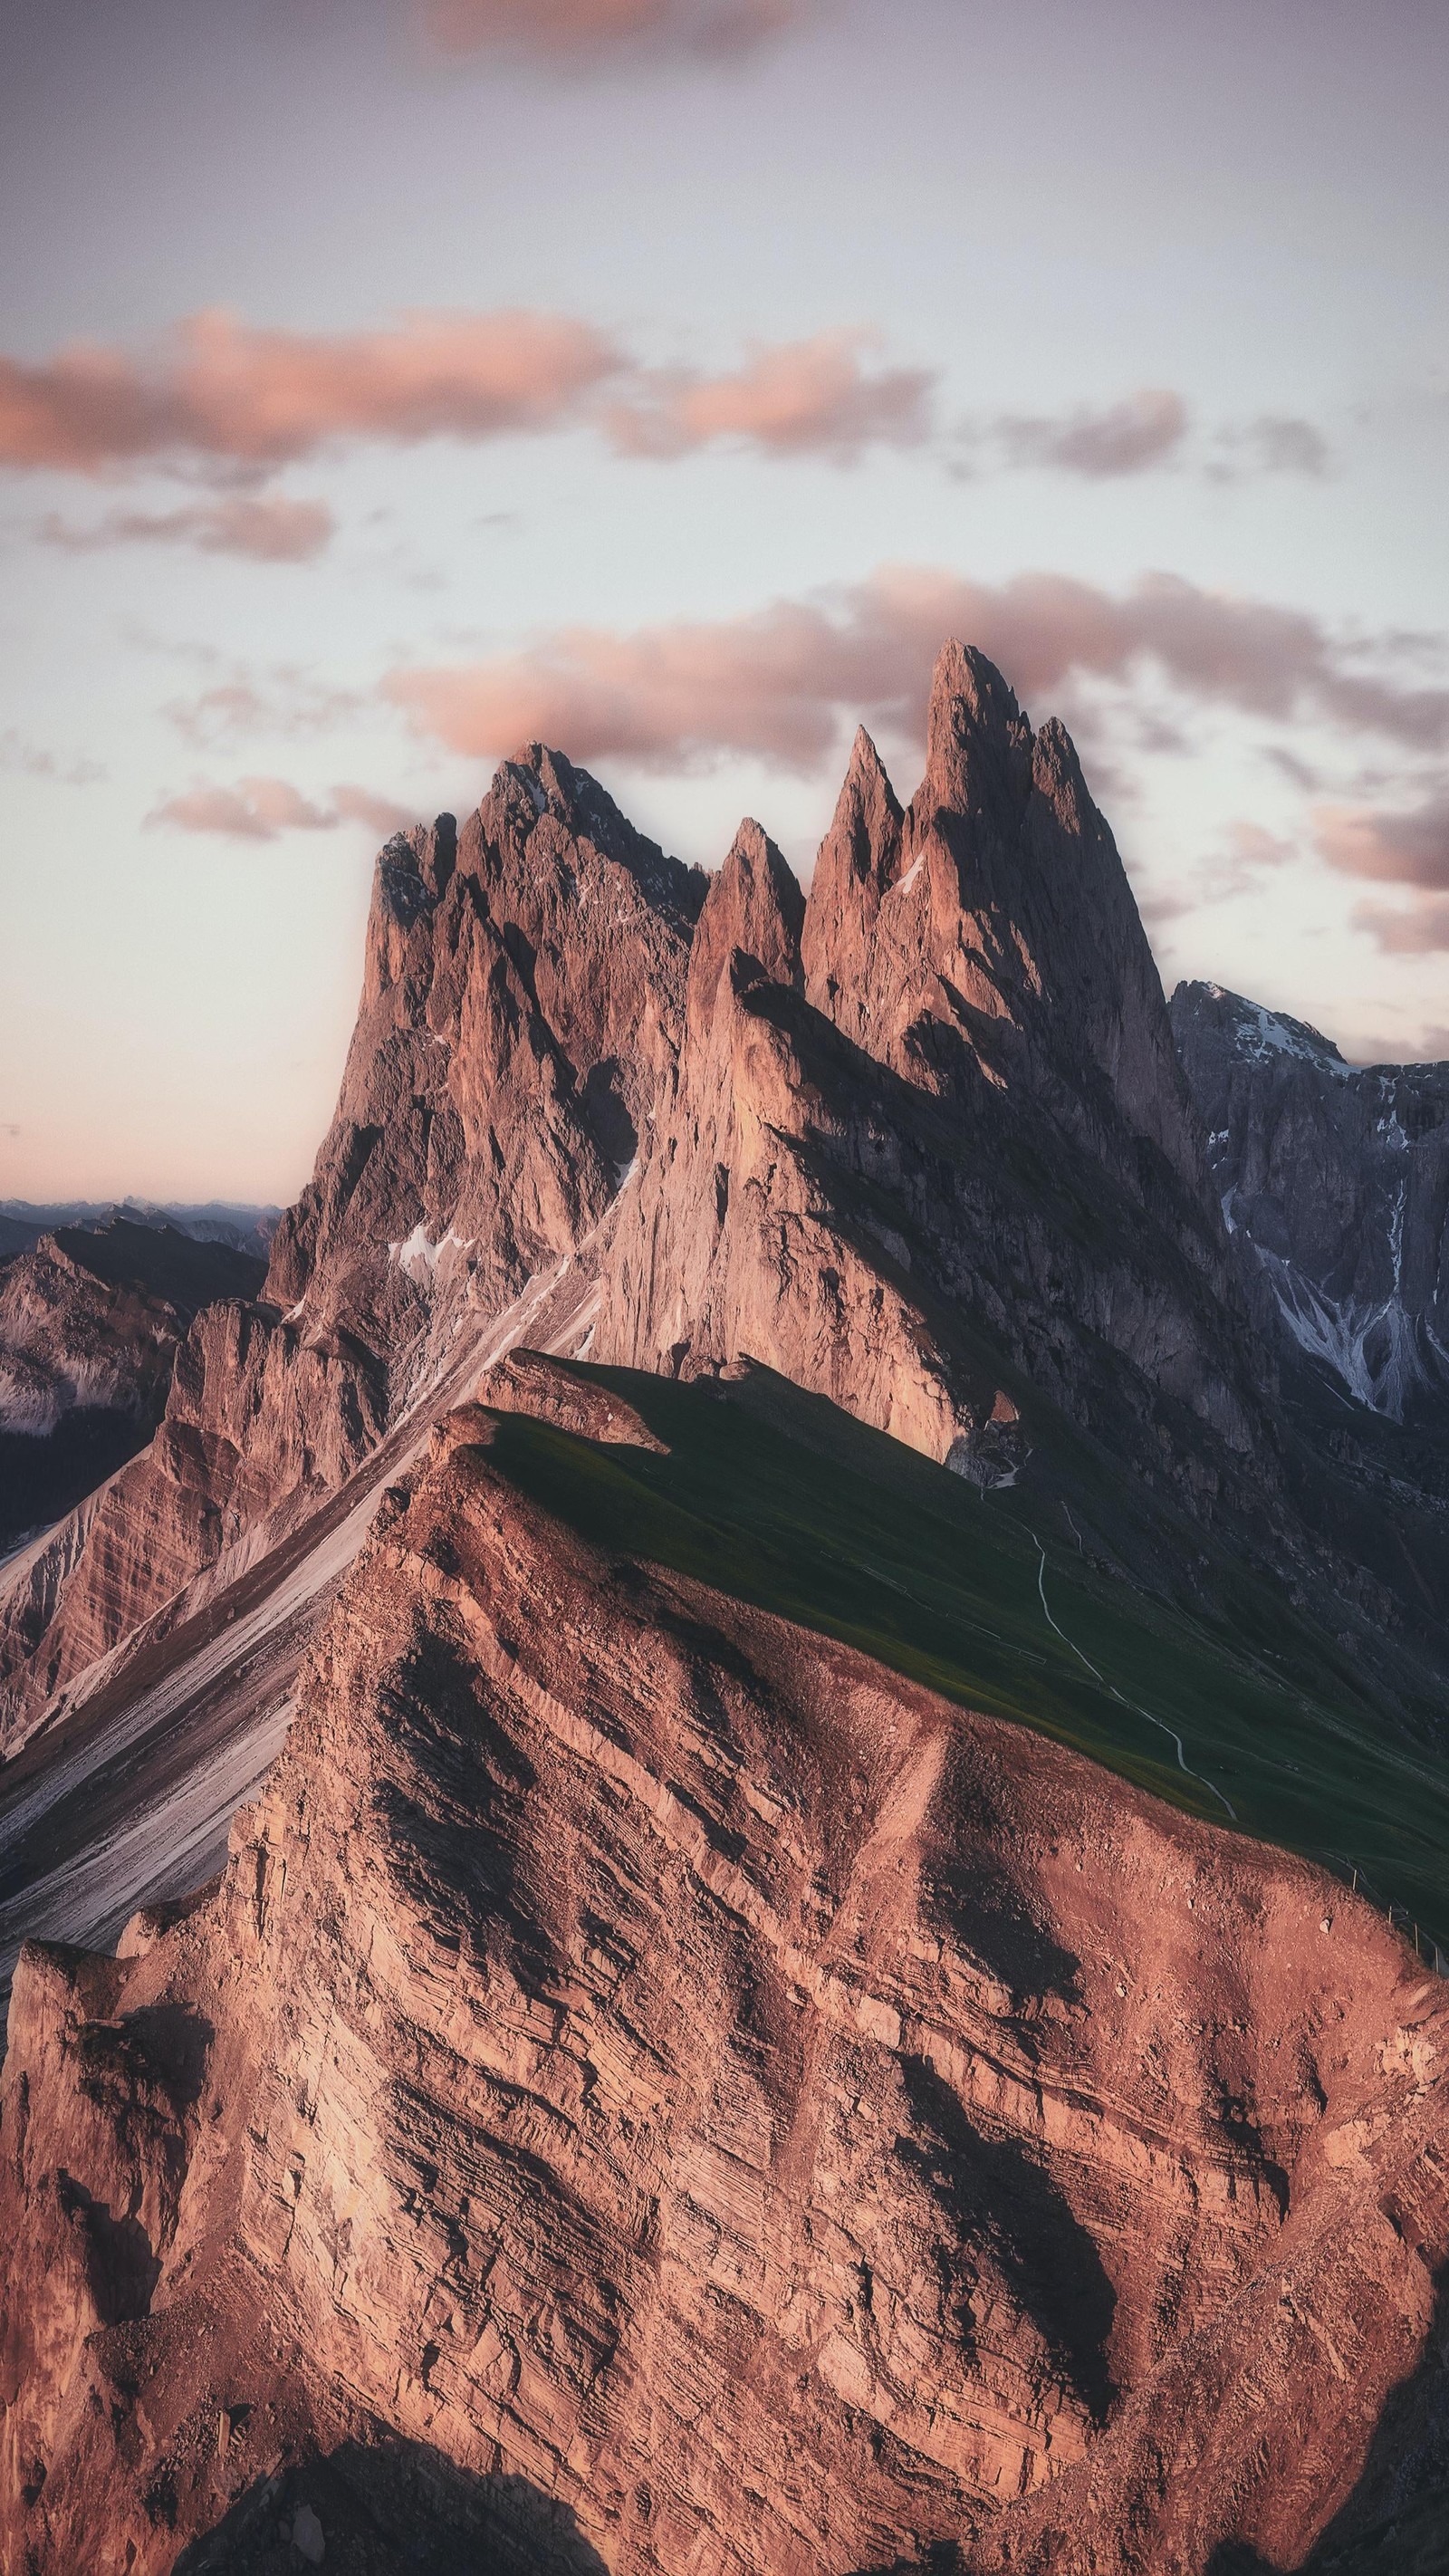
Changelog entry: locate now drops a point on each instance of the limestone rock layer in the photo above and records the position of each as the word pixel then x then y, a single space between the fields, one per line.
pixel 654 2091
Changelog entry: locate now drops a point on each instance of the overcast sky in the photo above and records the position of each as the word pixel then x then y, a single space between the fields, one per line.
pixel 384 384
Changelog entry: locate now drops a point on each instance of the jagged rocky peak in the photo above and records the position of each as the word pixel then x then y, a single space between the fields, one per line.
pixel 978 741
pixel 991 929
pixel 1333 1181
pixel 541 786
pixel 858 860
pixel 754 910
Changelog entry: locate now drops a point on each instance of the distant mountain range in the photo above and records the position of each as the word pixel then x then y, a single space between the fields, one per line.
pixel 769 1730
pixel 246 1229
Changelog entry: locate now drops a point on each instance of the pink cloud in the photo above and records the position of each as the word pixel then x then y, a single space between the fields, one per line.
pixel 278 701
pixel 808 397
pixel 268 530
pixel 1412 930
pixel 260 809
pixel 593 27
pixel 225 393
pixel 783 682
pixel 1403 846
pixel 1126 437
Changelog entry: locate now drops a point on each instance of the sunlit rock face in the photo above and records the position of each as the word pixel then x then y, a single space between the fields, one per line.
pixel 932 1121
pixel 653 2090
pixel 1334 1185
pixel 522 1000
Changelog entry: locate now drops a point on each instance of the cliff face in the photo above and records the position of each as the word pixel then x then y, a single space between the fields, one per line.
pixel 1334 1183
pixel 90 1324
pixel 655 2090
pixel 934 1127
pixel 520 1009
pixel 521 1004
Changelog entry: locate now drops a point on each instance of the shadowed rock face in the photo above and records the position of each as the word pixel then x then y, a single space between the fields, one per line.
pixel 1334 1183
pixel 645 2057
pixel 938 1126
pixel 90 1324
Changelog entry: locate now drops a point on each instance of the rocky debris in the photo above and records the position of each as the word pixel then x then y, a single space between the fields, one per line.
pixel 1334 1186
pixel 90 1324
pixel 655 2090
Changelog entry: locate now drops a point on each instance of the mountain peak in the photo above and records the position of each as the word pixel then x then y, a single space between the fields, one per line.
pixel 754 905
pixel 977 737
pixel 857 860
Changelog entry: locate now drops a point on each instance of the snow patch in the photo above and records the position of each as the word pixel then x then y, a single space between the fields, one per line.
pixel 1374 1349
pixel 418 1259
pixel 1263 1034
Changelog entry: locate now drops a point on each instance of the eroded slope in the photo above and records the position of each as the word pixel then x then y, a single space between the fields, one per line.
pixel 660 2090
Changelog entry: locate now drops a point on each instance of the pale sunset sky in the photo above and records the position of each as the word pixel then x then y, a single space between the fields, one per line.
pixel 383 384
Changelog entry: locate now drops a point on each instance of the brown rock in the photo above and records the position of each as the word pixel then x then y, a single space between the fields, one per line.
pixel 705 2101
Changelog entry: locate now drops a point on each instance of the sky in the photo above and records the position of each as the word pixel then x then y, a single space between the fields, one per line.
pixel 385 383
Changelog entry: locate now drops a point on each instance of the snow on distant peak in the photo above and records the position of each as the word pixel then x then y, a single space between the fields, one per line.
pixel 1263 1034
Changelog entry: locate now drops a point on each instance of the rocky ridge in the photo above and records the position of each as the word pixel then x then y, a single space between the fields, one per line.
pixel 521 1000
pixel 930 1125
pixel 654 2090
pixel 653 2087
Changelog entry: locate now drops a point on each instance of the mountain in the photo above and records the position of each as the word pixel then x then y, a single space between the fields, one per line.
pixel 90 1322
pixel 1334 1183
pixel 655 2088
pixel 928 1141
pixel 749 1735
pixel 521 999
pixel 245 1229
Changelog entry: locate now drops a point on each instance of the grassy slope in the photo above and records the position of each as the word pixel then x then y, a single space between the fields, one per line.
pixel 840 1529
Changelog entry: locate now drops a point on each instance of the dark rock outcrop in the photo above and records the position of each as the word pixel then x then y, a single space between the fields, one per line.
pixel 1334 1185
pixel 90 1324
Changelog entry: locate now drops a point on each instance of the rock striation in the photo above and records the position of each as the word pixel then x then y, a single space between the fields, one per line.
pixel 653 2090
pixel 1334 1185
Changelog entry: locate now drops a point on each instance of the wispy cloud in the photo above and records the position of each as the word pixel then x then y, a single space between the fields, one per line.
pixel 28 759
pixel 282 700
pixel 220 399
pixel 814 397
pixel 586 29
pixel 1143 432
pixel 1274 443
pixel 1126 437
pixel 781 684
pixel 1399 846
pixel 261 526
pixel 261 809
pixel 222 392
